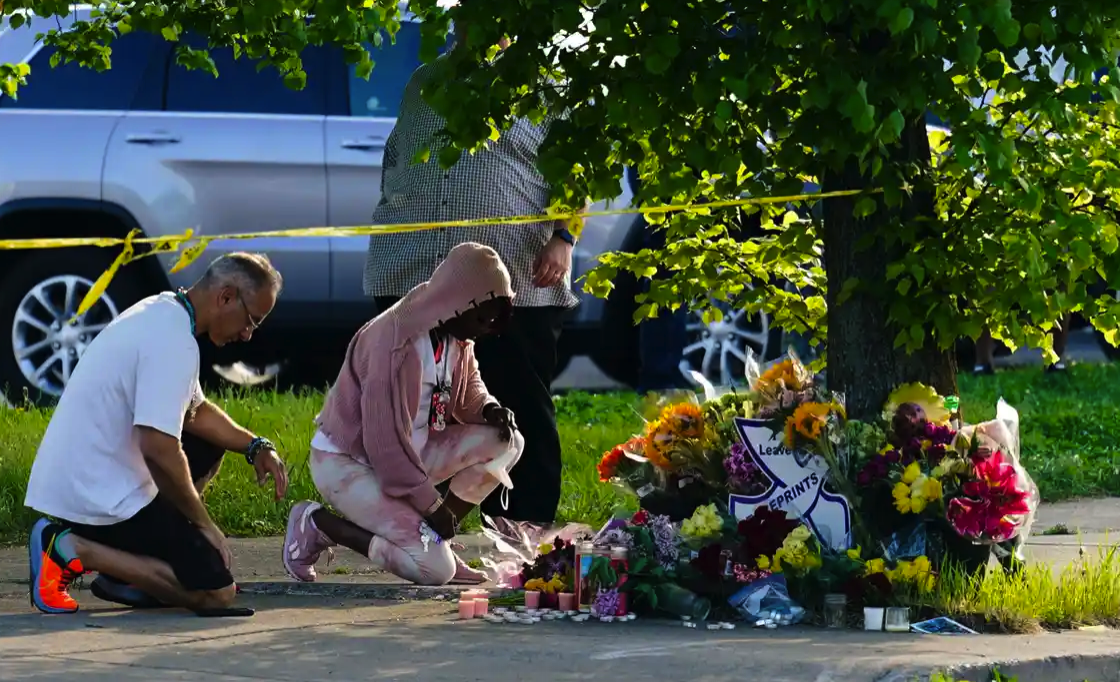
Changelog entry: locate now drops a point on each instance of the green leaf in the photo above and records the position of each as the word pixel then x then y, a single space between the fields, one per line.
pixel 902 20
pixel 296 80
pixel 865 206
pixel 895 123
pixel 16 20
pixel 449 156
pixel 1007 32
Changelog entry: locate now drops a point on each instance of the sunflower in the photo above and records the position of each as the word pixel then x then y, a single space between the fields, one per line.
pixel 921 395
pixel 785 374
pixel 685 419
pixel 659 440
pixel 809 420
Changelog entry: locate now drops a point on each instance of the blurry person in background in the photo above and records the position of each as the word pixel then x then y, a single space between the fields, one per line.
pixel 519 365
pixel 986 349
pixel 661 340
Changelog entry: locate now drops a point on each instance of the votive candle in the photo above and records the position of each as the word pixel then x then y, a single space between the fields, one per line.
pixel 532 599
pixel 466 609
pixel 567 601
pixel 481 606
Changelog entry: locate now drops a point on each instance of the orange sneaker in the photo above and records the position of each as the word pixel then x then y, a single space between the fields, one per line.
pixel 51 573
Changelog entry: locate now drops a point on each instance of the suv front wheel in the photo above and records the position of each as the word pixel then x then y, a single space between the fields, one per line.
pixel 41 342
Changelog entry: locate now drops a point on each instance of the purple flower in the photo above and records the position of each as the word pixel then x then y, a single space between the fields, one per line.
pixel 664 540
pixel 739 467
pixel 606 602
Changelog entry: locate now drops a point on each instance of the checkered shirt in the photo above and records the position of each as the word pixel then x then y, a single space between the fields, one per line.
pixel 500 181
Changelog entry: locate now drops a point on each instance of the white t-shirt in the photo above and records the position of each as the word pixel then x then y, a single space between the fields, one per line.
pixel 141 370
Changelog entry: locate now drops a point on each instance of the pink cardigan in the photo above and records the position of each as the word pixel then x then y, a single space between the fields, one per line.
pixel 369 411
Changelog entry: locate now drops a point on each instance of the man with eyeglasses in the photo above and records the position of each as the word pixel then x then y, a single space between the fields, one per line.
pixel 133 443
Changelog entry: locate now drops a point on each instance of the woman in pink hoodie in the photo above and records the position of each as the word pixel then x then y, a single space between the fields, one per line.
pixel 409 411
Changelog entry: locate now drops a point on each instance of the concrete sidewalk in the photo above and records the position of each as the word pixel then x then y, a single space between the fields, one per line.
pixel 360 625
pixel 1095 524
pixel 313 639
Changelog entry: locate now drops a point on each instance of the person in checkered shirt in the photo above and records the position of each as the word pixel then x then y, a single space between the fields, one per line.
pixel 517 367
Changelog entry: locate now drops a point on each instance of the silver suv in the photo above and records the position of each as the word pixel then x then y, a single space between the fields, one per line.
pixel 151 145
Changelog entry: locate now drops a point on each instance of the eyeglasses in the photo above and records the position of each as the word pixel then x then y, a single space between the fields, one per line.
pixel 253 323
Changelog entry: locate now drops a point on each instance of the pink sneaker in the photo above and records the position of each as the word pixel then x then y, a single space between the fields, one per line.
pixel 465 575
pixel 304 543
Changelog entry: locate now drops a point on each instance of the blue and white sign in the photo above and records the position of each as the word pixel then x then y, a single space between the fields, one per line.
pixel 796 485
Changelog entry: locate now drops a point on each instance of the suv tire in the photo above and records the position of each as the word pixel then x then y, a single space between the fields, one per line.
pixel 34 307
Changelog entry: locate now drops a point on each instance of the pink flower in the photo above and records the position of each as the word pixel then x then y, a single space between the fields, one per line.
pixel 988 501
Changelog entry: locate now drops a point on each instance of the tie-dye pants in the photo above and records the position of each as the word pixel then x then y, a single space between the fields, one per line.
pixel 459 453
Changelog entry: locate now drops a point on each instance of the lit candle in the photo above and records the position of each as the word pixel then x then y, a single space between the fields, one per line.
pixel 567 601
pixel 466 609
pixel 481 606
pixel 532 599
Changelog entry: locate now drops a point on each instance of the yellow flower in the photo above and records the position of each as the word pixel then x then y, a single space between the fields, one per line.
pixel 544 548
pixel 809 420
pixel 886 449
pixel 853 554
pixel 659 440
pixel 921 565
pixel 902 497
pixel 874 566
pixel 782 375
pixel 534 585
pixel 685 420
pixel 919 394
pixel 917 504
pixel 799 534
pixel 933 490
pixel 911 474
pixel 763 562
pixel 705 522
pixel 553 586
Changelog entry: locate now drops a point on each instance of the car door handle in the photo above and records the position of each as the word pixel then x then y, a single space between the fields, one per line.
pixel 365 144
pixel 152 138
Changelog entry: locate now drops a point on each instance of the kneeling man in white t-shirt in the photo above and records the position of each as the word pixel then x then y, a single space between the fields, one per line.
pixel 133 442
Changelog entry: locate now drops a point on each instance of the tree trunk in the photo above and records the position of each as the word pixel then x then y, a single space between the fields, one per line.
pixel 863 363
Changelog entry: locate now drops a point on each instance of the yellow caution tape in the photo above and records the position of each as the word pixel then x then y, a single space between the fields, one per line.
pixel 189 254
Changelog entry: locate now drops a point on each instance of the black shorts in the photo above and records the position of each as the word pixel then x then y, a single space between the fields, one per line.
pixel 162 532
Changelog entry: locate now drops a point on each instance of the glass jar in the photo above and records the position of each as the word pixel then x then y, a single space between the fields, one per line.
pixel 897 619
pixel 585 554
pixel 835 611
pixel 680 602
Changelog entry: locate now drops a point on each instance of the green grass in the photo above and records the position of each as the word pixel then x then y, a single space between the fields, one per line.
pixel 1071 444
pixel 1085 593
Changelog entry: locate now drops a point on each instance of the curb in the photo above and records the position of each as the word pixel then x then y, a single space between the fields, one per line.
pixel 1070 668
pixel 364 590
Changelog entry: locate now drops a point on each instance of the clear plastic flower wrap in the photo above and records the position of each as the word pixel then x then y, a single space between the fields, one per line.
pixel 766 601
pixel 995 445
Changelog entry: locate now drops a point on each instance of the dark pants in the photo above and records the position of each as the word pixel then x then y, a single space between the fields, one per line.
pixel 518 367
pixel 161 531
pixel 661 340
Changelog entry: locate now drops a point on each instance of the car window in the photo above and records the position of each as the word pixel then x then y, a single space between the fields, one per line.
pixel 380 96
pixel 70 86
pixel 241 89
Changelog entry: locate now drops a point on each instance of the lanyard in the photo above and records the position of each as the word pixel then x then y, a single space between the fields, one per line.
pixel 181 297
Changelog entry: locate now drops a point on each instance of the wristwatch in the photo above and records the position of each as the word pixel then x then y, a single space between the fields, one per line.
pixel 564 234
pixel 256 446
